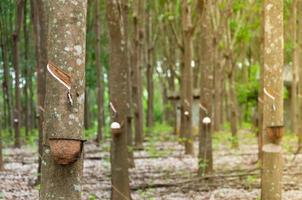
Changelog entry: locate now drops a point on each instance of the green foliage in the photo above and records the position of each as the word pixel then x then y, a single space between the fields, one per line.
pixel 247 93
pixel 92 197
pixel 251 181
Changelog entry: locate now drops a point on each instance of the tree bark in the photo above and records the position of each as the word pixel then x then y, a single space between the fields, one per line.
pixel 27 115
pixel 299 13
pixel 99 73
pixel 139 37
pixel 6 84
pixel 150 70
pixel 1 155
pixel 294 85
pixel 206 96
pixel 39 21
pixel 64 103
pixel 16 37
pixel 129 125
pixel 186 76
pixel 118 87
pixel 272 163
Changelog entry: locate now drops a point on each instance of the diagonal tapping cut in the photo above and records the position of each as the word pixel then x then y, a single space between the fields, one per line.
pixel 62 77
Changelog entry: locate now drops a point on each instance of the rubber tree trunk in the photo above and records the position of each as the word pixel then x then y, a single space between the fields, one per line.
pixel 1 154
pixel 261 94
pixel 39 21
pixel 233 103
pixel 139 37
pixel 99 73
pixel 64 102
pixel 6 83
pixel 186 78
pixel 27 114
pixel 272 161
pixel 16 38
pixel 299 13
pixel 129 124
pixel 205 163
pixel 118 87
pixel 294 85
pixel 150 70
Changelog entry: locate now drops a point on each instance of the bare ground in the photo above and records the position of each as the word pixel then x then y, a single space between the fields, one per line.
pixel 162 172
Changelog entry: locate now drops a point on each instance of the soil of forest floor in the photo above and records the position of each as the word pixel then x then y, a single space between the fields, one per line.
pixel 162 171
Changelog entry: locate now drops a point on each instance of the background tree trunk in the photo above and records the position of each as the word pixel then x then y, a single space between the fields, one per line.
pixel 186 75
pixel 64 108
pixel 16 37
pixel 118 87
pixel 272 162
pixel 99 73
pixel 206 96
pixel 139 37
pixel 150 67
pixel 39 21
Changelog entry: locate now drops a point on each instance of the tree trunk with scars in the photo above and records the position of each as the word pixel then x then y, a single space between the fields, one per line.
pixel 64 101
pixel 99 73
pixel 16 37
pixel 205 163
pixel 272 161
pixel 186 78
pixel 118 87
pixel 139 35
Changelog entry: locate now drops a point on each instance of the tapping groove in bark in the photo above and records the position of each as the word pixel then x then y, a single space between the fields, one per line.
pixel 119 104
pixel 272 161
pixel 64 121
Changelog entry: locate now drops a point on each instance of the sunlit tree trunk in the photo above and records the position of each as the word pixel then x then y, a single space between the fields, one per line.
pixel 64 101
pixel 272 161
pixel 118 87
